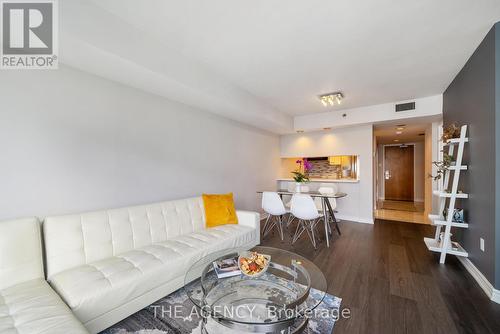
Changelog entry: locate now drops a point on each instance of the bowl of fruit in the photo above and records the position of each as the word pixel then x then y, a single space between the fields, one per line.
pixel 253 264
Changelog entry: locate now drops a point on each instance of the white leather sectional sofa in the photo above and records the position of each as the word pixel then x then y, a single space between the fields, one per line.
pixel 27 303
pixel 107 265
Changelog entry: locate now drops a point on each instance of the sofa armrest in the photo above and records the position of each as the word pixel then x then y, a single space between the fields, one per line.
pixel 250 219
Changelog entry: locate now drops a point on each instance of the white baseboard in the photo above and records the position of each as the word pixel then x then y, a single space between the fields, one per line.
pixel 495 296
pixel 340 217
pixel 354 219
pixel 490 291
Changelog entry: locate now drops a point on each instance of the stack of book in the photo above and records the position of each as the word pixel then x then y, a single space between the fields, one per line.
pixel 227 267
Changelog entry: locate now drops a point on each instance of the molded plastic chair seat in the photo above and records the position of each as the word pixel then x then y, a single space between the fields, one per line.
pixel 305 210
pixel 273 206
pixel 291 188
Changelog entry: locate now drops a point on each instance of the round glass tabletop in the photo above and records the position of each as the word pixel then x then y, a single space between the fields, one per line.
pixel 291 287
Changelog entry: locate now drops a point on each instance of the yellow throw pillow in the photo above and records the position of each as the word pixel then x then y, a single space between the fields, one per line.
pixel 219 209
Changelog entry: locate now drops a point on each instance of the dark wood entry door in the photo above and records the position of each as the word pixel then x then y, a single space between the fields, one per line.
pixel 398 173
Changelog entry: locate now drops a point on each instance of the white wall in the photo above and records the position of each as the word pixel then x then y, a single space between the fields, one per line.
pixel 358 206
pixel 71 141
pixel 419 171
pixel 432 153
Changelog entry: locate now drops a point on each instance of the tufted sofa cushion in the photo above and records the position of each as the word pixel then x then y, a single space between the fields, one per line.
pixel 75 240
pixel 20 251
pixel 129 275
pixel 33 307
pixel 27 303
pixel 107 265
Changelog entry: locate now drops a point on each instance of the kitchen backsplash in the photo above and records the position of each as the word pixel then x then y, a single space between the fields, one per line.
pixel 323 169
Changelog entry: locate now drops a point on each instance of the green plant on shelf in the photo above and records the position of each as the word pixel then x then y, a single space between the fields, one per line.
pixel 442 166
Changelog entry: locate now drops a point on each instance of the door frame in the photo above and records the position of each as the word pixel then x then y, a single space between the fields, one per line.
pixel 382 184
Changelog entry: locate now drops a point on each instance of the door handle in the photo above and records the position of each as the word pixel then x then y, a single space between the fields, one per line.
pixel 387 175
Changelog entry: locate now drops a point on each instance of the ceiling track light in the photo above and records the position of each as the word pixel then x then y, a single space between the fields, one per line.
pixel 331 99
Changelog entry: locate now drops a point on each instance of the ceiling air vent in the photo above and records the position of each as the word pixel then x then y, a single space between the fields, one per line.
pixel 405 106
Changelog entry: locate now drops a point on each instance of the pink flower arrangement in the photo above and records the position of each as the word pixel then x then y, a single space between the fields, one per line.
pixel 301 175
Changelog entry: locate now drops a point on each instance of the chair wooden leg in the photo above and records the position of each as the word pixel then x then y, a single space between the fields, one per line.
pixel 310 233
pixel 264 229
pixel 280 227
pixel 316 237
pixel 271 225
pixel 298 231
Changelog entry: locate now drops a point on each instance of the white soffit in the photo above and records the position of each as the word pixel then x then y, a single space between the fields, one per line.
pixel 265 61
pixel 428 107
pixel 99 42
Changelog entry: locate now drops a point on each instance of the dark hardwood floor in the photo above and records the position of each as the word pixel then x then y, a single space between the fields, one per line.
pixel 392 284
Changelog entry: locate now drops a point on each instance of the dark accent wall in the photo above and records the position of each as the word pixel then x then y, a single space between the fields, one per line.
pixel 472 98
pixel 497 151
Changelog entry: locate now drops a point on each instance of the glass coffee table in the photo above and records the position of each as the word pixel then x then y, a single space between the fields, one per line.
pixel 278 301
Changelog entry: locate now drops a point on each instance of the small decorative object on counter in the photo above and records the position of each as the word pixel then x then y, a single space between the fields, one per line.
pixel 346 172
pixel 253 264
pixel 301 174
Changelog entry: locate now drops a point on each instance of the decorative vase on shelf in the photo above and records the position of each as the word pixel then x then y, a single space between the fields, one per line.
pixel 298 187
pixel 346 173
pixel 441 239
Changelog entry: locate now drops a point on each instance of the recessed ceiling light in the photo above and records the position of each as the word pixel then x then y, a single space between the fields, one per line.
pixel 399 132
pixel 396 140
pixel 331 99
pixel 400 128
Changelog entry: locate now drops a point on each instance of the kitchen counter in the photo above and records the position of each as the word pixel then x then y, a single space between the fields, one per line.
pixel 325 180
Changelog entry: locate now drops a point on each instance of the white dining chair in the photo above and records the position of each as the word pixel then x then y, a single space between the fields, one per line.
pixel 273 206
pixel 304 209
pixel 288 204
pixel 326 189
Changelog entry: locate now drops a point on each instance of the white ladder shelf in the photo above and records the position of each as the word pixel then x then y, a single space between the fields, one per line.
pixel 434 244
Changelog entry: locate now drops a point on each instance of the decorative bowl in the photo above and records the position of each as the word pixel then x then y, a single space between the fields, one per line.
pixel 253 264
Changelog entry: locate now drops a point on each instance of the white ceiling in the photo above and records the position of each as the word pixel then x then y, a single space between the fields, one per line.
pixel 273 57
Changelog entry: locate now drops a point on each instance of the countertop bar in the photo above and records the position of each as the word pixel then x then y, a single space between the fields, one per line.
pixel 324 180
